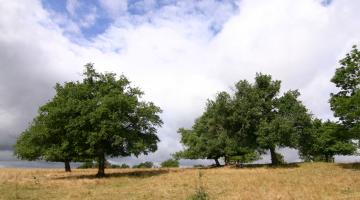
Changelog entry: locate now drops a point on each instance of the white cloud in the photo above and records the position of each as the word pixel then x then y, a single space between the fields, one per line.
pixel 71 6
pixel 176 59
pixel 115 8
pixel 90 18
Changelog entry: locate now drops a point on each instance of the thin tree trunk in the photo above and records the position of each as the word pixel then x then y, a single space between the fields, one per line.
pixel 67 166
pixel 329 158
pixel 274 158
pixel 101 167
pixel 326 158
pixel 226 160
pixel 217 163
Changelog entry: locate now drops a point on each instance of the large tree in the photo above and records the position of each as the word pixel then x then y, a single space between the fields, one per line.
pixel 264 119
pixel 346 102
pixel 114 120
pixel 256 118
pixel 101 116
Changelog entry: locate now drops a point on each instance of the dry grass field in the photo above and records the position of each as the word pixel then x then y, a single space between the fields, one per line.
pixel 303 181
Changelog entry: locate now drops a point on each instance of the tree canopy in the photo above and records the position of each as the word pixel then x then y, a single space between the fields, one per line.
pixel 101 116
pixel 254 119
pixel 346 102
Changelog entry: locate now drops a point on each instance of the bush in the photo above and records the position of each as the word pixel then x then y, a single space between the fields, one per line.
pixel 124 166
pixel 170 163
pixel 92 164
pixel 144 165
pixel 119 166
pixel 86 165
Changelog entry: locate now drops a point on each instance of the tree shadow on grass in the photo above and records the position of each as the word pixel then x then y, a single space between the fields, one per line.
pixel 133 174
pixel 353 166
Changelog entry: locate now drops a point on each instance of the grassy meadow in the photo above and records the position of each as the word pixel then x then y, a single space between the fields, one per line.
pixel 299 181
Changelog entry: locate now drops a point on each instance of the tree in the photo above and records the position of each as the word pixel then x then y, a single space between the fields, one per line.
pixel 114 121
pixel 263 120
pixel 209 137
pixel 90 120
pixel 290 120
pixel 328 139
pixel 255 119
pixel 346 102
pixel 49 137
pixel 170 163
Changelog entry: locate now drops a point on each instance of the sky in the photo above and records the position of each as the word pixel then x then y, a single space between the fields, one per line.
pixel 180 53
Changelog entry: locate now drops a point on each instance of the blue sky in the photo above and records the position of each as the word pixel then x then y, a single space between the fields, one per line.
pixel 180 53
pixel 93 17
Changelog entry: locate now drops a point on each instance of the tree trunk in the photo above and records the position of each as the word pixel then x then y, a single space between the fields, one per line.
pixel 217 162
pixel 274 158
pixel 329 158
pixel 226 160
pixel 101 167
pixel 67 166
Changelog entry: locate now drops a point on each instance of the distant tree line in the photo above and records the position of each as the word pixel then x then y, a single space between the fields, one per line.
pixel 103 116
pixel 170 163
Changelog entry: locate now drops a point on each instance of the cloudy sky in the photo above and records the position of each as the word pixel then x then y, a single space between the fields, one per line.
pixel 179 52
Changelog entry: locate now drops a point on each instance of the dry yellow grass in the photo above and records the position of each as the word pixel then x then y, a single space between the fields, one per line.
pixel 305 181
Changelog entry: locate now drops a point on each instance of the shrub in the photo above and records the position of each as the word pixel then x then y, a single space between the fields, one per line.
pixel 119 166
pixel 144 165
pixel 170 163
pixel 86 165
pixel 124 166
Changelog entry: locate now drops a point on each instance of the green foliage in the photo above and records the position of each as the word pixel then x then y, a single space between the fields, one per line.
pixel 144 165
pixel 124 166
pixel 211 136
pixel 255 119
pixel 170 163
pixel 328 139
pixel 92 164
pixel 246 158
pixel 102 116
pixel 49 136
pixel 87 165
pixel 114 120
pixel 29 144
pixel 346 102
